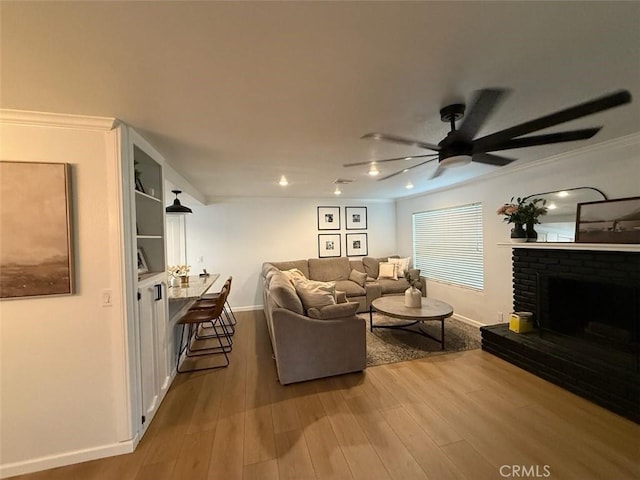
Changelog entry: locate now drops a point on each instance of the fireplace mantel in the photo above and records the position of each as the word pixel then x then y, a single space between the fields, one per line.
pixel 603 247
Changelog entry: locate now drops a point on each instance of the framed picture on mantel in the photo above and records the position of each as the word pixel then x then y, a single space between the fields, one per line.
pixel 609 221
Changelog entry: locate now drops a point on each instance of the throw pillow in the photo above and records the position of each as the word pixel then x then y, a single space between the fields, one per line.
pixel 315 294
pixel 330 312
pixel 388 270
pixel 358 277
pixel 293 273
pixel 403 264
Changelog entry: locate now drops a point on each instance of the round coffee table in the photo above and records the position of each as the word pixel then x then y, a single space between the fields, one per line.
pixel 393 306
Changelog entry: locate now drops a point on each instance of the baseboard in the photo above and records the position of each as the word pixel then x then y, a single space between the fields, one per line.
pixel 247 308
pixel 468 321
pixel 67 458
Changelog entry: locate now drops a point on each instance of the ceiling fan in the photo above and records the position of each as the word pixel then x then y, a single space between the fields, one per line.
pixel 460 147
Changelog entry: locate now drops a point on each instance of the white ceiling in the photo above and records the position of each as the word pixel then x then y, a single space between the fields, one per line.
pixel 236 94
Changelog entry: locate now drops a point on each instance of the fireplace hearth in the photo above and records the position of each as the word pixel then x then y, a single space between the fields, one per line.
pixel 587 307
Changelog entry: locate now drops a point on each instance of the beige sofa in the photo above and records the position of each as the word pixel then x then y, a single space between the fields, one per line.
pixel 314 343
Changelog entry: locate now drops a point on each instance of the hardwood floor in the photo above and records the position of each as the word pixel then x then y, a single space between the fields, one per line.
pixel 465 415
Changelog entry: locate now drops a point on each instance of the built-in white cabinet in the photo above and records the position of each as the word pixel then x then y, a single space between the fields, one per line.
pixel 150 340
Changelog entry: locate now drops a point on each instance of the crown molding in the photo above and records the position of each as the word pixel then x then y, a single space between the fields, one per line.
pixel 58 120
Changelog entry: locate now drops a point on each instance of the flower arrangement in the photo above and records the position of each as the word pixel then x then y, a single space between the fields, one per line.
pixel 523 211
pixel 412 279
pixel 178 270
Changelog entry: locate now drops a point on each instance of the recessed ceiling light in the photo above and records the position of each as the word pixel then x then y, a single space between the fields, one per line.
pixel 283 181
pixel 563 194
pixel 337 191
pixel 373 171
pixel 408 158
pixel 405 170
pixel 409 186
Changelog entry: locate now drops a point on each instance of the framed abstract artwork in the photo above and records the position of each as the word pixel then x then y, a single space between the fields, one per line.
pixel 356 218
pixel 328 218
pixel 357 245
pixel 609 221
pixel 36 258
pixel 329 245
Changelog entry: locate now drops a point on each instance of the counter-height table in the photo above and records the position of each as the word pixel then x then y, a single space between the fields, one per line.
pixel 182 298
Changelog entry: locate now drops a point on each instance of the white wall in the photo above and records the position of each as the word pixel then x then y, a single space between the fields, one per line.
pixel 613 167
pixel 236 236
pixel 62 382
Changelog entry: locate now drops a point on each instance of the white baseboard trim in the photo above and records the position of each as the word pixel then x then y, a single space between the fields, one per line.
pixel 247 308
pixel 468 321
pixel 67 458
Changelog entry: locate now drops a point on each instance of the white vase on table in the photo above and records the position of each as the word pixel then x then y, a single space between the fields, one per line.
pixel 412 298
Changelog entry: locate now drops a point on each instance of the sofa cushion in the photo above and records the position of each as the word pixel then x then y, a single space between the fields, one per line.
pixel 358 277
pixel 352 289
pixel 357 265
pixel 315 294
pixel 393 286
pixel 330 312
pixel 329 269
pixel 388 270
pixel 284 294
pixel 371 266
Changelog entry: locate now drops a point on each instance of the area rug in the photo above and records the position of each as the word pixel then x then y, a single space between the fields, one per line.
pixel 390 346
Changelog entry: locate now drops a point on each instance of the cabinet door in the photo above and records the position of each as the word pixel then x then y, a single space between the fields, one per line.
pixel 154 361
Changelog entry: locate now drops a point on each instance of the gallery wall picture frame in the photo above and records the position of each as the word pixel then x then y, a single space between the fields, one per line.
pixel 328 218
pixel 609 221
pixel 329 245
pixel 356 218
pixel 142 262
pixel 357 245
pixel 36 258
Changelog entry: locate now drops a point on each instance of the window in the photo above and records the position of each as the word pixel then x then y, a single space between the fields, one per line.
pixel 448 247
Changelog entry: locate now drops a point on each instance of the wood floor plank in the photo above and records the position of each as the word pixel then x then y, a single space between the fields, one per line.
pixel 267 470
pixel 424 450
pixel 326 455
pixel 259 441
pixel 470 462
pixel 226 459
pixel 294 461
pixel 193 460
pixel 392 452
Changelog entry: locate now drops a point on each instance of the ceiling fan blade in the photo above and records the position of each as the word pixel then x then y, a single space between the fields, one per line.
pixel 544 139
pixel 406 169
pixel 402 140
pixel 491 159
pixel 572 113
pixel 485 103
pixel 437 172
pixel 408 157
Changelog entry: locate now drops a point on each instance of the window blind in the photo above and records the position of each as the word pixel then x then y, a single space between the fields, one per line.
pixel 448 246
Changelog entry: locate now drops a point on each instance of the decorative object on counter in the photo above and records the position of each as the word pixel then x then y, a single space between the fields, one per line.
pixel 412 296
pixel 609 221
pixel 356 218
pixel 142 262
pixel 179 272
pixel 177 207
pixel 525 211
pixel 35 221
pixel 329 218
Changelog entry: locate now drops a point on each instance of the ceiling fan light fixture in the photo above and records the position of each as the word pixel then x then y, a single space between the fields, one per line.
pixel 337 191
pixel 456 160
pixel 409 186
pixel 177 207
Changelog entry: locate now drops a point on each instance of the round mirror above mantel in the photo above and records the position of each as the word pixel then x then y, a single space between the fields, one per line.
pixel 559 224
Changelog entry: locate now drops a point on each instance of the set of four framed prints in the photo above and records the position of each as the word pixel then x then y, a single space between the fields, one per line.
pixel 330 244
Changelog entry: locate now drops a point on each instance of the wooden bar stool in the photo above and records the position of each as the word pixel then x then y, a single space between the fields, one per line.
pixel 200 336
pixel 208 301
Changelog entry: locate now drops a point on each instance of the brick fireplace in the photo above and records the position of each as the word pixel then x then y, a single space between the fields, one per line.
pixel 587 307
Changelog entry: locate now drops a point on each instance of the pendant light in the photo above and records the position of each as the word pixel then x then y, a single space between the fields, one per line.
pixel 177 207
